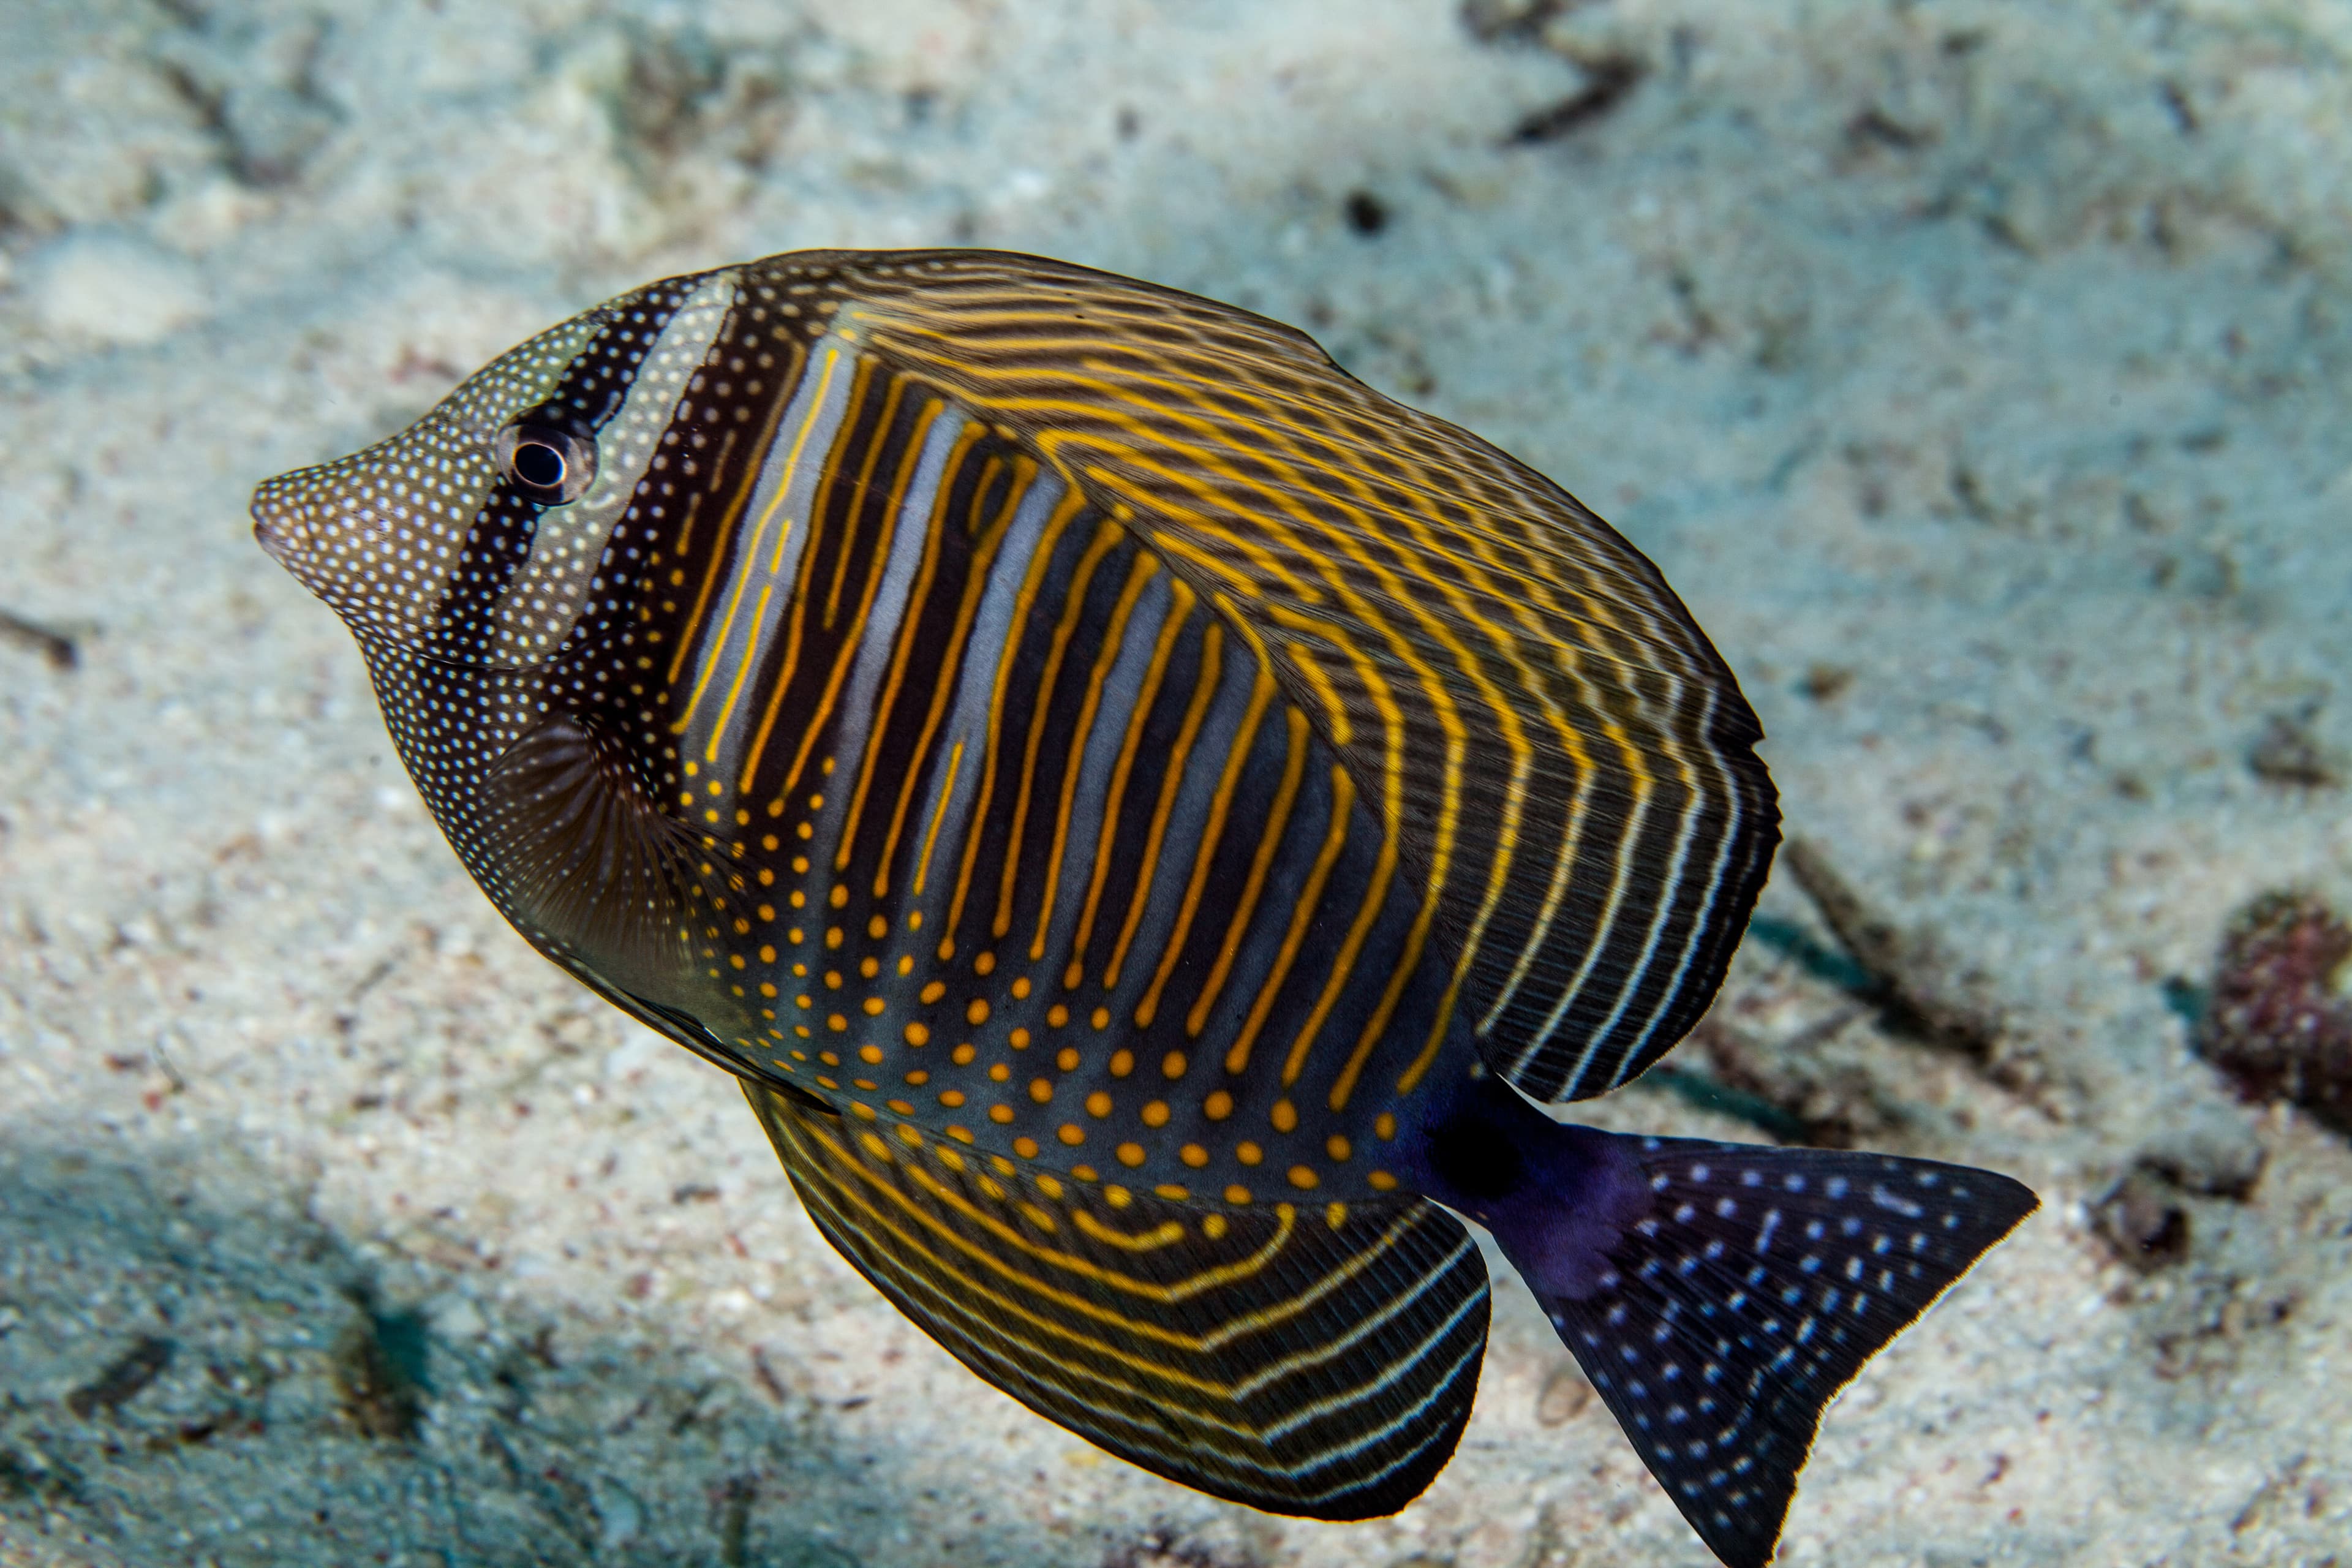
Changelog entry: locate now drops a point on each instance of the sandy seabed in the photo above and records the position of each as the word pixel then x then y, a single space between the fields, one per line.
pixel 1977 372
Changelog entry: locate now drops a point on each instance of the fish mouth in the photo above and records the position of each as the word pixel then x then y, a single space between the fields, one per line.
pixel 270 540
pixel 275 527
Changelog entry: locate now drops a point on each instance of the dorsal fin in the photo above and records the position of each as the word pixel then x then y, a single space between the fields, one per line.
pixel 1564 760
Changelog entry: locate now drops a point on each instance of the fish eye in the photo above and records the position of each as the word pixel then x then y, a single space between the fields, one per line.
pixel 551 463
pixel 537 463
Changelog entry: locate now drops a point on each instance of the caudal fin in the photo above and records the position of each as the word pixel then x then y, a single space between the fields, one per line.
pixel 1757 1285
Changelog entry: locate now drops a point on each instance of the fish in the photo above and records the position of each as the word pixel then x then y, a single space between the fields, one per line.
pixel 1148 821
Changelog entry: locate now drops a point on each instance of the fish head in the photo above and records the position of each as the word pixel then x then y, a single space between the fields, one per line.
pixel 482 533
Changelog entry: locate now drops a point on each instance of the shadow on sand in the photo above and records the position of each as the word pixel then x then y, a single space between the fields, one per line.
pixel 189 1377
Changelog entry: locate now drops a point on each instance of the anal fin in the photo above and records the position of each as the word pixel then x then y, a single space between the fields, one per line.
pixel 1314 1360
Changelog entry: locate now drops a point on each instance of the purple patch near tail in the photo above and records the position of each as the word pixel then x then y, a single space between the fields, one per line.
pixel 1556 1197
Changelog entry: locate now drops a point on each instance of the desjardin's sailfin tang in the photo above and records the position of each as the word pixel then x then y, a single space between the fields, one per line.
pixel 1137 808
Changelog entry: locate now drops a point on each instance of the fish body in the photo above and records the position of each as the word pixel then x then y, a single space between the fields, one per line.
pixel 1143 816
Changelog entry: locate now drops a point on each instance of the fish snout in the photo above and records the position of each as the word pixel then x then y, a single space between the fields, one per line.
pixel 375 536
pixel 321 527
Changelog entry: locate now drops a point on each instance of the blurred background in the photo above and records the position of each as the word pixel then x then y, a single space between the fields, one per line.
pixel 1977 372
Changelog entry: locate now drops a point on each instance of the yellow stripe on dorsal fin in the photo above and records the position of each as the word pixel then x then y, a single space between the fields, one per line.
pixel 1563 763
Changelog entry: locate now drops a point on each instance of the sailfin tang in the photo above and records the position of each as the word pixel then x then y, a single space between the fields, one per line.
pixel 1317 1360
pixel 1761 1279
